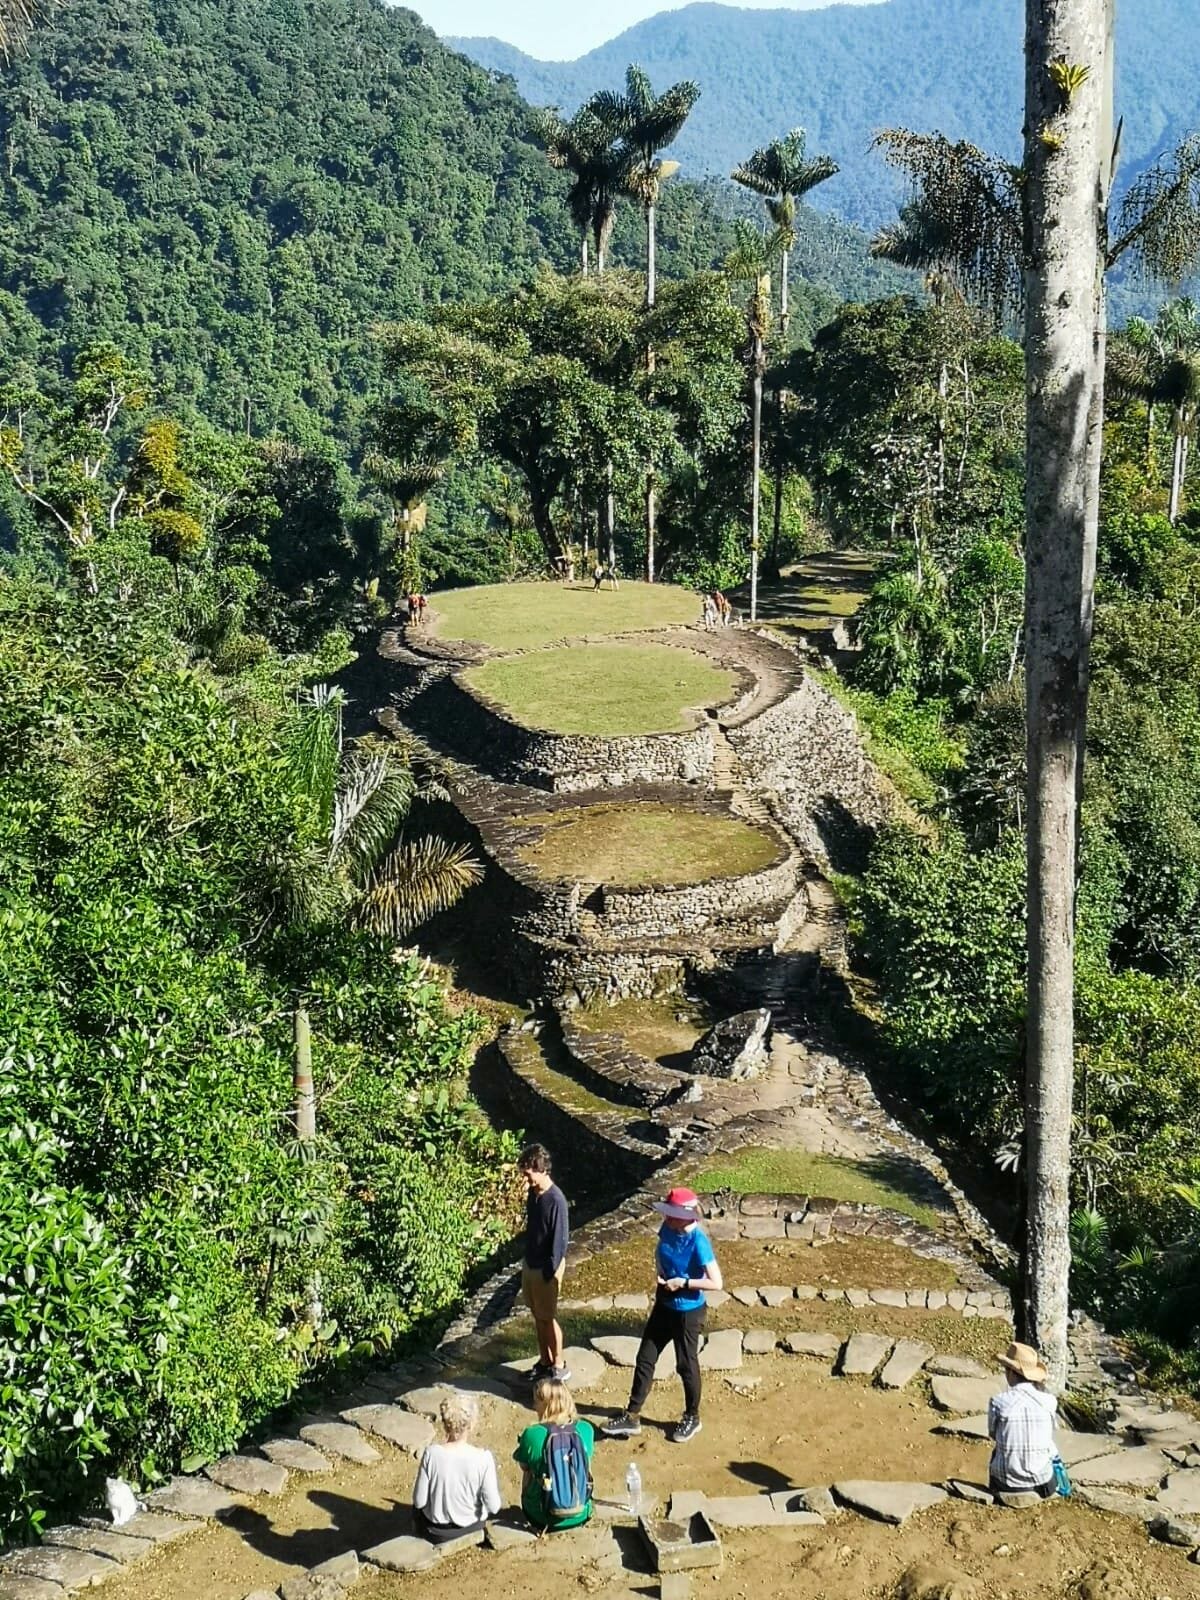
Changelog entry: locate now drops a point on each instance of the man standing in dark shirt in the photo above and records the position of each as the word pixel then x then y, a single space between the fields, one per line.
pixel 545 1259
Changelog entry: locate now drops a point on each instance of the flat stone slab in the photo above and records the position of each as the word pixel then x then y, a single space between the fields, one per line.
pixel 1140 1467
pixel 1019 1499
pixel 1181 1531
pixel 889 1297
pixel 775 1294
pixel 760 1342
pixel 631 1302
pixel 797 1505
pixel 965 1427
pixel 295 1455
pixel 621 1350
pixel 516 1376
pixel 1075 1448
pixel 402 1428
pixel 975 1492
pixel 722 1351
pixel 823 1346
pixel 427 1401
pixel 888 1502
pixel 716 1298
pixel 74 1569
pixel 263 1594
pixel 151 1526
pixel 192 1497
pixel 15 1587
pixel 404 1554
pixel 964 1395
pixel 586 1366
pixel 340 1439
pixel 122 1547
pixel 328 1581
pixel 343 1569
pixel 1181 1493
pixel 502 1536
pixel 905 1361
pixel 864 1354
pixel 248 1475
pixel 1124 1505
pixel 745 1296
pixel 956 1367
pixel 755 1511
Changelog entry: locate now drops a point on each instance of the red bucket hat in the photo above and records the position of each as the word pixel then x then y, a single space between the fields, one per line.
pixel 683 1204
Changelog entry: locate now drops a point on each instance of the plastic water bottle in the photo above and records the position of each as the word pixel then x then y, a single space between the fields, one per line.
pixel 633 1487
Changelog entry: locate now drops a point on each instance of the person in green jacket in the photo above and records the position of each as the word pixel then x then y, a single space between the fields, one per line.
pixel 554 1405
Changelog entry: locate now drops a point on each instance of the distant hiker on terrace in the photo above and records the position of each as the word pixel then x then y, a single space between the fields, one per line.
pixel 546 1237
pixel 686 1267
pixel 457 1489
pixel 1021 1422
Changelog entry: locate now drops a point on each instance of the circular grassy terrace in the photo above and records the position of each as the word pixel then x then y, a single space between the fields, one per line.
pixel 630 845
pixel 522 616
pixel 607 689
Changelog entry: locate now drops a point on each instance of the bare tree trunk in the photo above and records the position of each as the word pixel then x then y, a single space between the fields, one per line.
pixel 302 1078
pixel 583 256
pixel 777 507
pixel 651 255
pixel 610 518
pixel 1176 475
pixel 755 475
pixel 651 524
pixel 1062 163
pixel 784 313
pixel 651 286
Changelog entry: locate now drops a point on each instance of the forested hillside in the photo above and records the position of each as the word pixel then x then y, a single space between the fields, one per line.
pixel 844 72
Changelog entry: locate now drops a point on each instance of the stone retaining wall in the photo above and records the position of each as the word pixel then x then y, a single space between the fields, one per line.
pixel 605 1060
pixel 458 717
pixel 807 750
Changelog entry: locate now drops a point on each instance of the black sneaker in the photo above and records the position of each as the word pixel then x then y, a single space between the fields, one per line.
pixel 622 1427
pixel 686 1428
pixel 541 1371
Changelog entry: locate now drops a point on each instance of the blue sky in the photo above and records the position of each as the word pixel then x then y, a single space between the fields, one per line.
pixel 555 30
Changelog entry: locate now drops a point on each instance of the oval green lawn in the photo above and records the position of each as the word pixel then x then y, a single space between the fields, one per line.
pixel 524 616
pixel 633 845
pixel 607 689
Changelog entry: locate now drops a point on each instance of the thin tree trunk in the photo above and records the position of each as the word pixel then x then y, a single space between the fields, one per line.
pixel 1176 475
pixel 777 508
pixel 610 517
pixel 1062 162
pixel 583 255
pixel 784 313
pixel 1149 435
pixel 755 475
pixel 302 1078
pixel 651 524
pixel 651 252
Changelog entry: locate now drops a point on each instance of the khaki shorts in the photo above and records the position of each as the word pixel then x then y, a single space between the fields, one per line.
pixel 541 1297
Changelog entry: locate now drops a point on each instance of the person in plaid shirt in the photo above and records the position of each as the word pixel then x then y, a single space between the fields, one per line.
pixel 1021 1424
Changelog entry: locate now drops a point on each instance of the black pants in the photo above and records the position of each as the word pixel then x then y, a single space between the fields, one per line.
pixel 442 1532
pixel 1044 1490
pixel 667 1326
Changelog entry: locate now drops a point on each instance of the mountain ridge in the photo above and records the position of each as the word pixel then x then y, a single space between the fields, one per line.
pixel 867 67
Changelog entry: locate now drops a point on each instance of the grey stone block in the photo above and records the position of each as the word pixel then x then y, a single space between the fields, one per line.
pixel 1140 1467
pixel 864 1354
pixel 122 1547
pixel 905 1361
pixel 823 1346
pixel 964 1395
pixel 404 1429
pixel 192 1497
pixel 1181 1493
pixel 247 1475
pixel 962 1490
pixel 722 1351
pixel 152 1526
pixel 964 1427
pixel 1019 1500
pixel 1171 1529
pixel 760 1342
pixel 745 1296
pixel 621 1350
pixel 775 1294
pixel 889 1297
pixel 503 1536
pixel 74 1569
pixel 405 1554
pixel 295 1455
pixel 426 1401
pixel 957 1367
pixel 340 1439
pixel 888 1502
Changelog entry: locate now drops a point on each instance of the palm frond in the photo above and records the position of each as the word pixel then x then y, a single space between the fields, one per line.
pixel 302 891
pixel 964 217
pixel 17 18
pixel 417 880
pixel 1160 217
pixel 312 748
pixel 374 795
pixel 753 252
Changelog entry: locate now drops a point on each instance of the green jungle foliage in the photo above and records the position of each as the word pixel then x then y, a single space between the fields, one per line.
pixel 909 422
pixel 845 72
pixel 172 880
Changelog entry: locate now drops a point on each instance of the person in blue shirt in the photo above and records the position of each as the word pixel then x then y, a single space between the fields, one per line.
pixel 685 1267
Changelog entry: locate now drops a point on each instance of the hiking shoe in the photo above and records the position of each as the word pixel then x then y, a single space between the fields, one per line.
pixel 560 1374
pixel 686 1428
pixel 622 1427
pixel 541 1371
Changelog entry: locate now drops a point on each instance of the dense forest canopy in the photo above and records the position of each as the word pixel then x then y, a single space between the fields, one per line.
pixel 845 72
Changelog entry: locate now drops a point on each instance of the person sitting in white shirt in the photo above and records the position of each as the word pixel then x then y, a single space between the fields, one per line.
pixel 1021 1422
pixel 457 1489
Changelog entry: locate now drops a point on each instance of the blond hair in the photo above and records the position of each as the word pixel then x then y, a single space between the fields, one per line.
pixel 553 1401
pixel 459 1415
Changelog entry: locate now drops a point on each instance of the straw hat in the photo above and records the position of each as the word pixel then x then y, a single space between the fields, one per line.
pixel 1023 1358
pixel 682 1204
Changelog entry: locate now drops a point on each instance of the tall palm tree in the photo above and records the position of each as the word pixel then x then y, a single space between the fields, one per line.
pixel 1159 364
pixel 585 147
pixel 645 124
pixel 750 261
pixel 783 173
